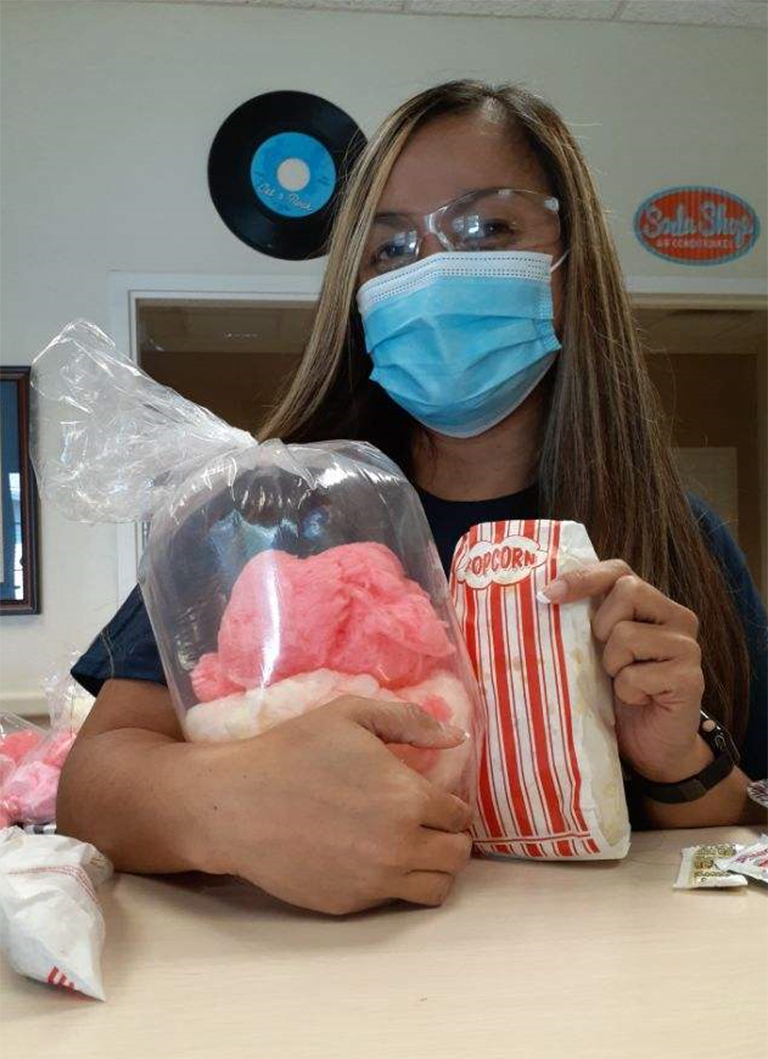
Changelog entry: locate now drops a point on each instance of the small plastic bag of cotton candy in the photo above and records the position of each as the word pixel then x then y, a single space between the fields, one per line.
pixel 28 792
pixel 31 757
pixel 277 578
pixel 29 782
pixel 51 923
pixel 17 737
pixel 551 783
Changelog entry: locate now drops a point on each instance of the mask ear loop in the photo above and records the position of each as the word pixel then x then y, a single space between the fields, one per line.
pixel 559 261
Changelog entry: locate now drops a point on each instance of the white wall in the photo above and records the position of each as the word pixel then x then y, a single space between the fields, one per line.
pixel 108 112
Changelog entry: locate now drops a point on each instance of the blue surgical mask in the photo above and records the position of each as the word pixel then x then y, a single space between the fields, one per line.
pixel 459 339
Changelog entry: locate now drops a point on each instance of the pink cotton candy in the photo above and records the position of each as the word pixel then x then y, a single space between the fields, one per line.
pixel 17 745
pixel 30 793
pixel 7 765
pixel 350 608
pixel 444 698
pixel 209 682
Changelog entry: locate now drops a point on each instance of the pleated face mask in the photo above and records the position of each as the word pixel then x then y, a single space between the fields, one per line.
pixel 460 339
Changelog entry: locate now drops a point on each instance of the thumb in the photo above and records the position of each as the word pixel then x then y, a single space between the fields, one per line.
pixel 404 722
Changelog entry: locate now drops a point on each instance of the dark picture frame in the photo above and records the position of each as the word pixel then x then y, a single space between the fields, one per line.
pixel 19 556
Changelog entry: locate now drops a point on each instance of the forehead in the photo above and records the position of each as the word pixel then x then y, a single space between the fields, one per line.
pixel 456 153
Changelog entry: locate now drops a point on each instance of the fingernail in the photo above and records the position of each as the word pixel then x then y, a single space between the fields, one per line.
pixel 455 732
pixel 553 592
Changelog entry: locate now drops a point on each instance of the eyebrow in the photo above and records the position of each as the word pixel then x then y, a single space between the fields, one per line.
pixel 395 215
pixel 392 215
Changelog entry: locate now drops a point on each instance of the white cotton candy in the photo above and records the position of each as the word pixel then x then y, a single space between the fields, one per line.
pixel 254 712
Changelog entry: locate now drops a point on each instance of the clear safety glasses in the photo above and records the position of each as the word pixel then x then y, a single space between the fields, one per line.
pixel 489 219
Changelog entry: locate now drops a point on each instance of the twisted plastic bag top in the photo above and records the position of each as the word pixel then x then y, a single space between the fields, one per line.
pixel 108 443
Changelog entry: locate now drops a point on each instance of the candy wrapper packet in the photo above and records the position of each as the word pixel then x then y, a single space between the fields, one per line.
pixel 751 860
pixel 276 577
pixel 550 780
pixel 701 868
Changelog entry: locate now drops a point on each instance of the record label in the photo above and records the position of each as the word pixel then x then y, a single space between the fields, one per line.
pixel 293 174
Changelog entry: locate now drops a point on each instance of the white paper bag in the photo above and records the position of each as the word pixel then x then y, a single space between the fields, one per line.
pixel 51 924
pixel 550 781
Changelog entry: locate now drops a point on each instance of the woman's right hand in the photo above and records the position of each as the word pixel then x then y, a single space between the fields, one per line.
pixel 320 814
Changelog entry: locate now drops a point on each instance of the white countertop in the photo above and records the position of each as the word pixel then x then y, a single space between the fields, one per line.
pixel 568 961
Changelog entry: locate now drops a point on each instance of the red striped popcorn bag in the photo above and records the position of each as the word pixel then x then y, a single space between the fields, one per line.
pixel 550 781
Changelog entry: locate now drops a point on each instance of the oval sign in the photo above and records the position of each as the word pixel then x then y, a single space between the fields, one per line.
pixel 696 225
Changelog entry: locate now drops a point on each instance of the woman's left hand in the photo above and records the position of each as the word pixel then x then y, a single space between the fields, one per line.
pixel 651 652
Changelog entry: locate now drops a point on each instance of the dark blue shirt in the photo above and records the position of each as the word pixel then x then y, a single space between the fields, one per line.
pixel 126 649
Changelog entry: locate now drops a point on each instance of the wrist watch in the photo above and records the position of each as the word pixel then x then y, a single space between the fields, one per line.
pixel 718 739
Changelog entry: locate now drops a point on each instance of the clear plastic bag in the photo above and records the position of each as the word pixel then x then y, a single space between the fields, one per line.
pixel 31 757
pixel 276 577
pixel 68 703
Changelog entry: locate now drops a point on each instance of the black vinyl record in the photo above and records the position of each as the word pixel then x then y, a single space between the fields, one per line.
pixel 275 168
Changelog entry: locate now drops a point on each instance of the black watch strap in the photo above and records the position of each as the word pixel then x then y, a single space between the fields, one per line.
pixel 718 738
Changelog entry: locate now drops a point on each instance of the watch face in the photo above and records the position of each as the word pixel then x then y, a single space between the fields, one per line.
pixel 717 737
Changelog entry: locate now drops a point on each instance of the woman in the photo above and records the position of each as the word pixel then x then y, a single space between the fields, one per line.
pixel 317 811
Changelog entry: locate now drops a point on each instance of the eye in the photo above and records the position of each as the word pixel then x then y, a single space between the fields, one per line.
pixel 495 227
pixel 487 232
pixel 392 252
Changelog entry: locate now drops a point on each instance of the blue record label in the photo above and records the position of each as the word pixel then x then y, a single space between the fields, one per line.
pixel 293 174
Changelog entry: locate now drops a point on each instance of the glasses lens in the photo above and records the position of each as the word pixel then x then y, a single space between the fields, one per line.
pixel 390 247
pixel 502 220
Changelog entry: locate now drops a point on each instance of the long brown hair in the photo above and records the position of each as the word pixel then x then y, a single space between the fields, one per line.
pixel 605 456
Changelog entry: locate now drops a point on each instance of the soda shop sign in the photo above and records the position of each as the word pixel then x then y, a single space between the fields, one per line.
pixel 696 225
